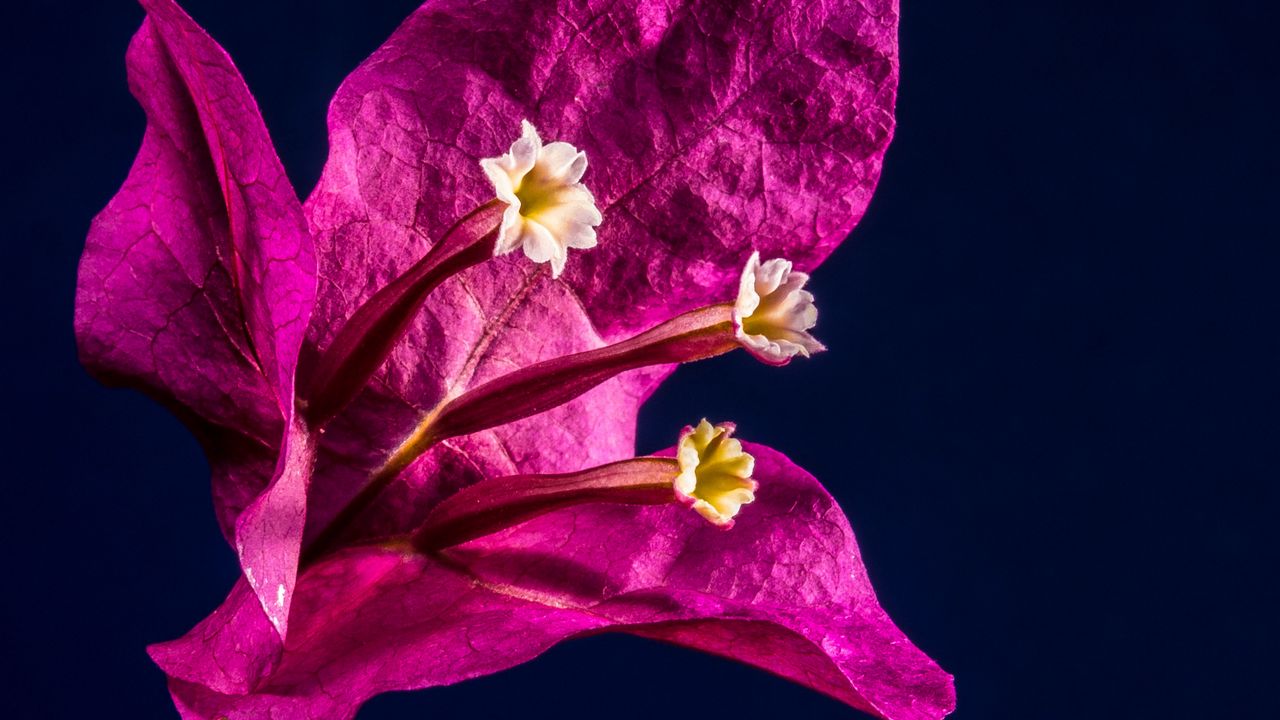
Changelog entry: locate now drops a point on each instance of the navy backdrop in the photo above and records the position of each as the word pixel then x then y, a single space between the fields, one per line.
pixel 1049 409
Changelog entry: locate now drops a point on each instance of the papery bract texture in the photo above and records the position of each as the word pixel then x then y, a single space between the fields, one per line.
pixel 711 129
pixel 785 590
pixel 197 283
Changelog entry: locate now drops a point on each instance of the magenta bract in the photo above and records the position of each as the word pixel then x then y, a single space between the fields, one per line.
pixel 785 590
pixel 712 129
pixel 197 283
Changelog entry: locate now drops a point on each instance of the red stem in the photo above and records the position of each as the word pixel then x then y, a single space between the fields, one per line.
pixel 500 503
pixel 367 338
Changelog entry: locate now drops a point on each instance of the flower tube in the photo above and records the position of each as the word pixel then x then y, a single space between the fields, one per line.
pixel 770 319
pixel 710 474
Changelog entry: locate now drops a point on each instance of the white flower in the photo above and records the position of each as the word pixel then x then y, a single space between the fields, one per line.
pixel 773 313
pixel 548 209
pixel 715 473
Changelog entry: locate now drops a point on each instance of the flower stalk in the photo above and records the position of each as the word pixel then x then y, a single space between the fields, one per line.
pixel 710 473
pixel 696 335
pixel 500 503
pixel 367 338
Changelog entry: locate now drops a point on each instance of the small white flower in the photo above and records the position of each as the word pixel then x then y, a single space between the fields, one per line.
pixel 773 314
pixel 715 472
pixel 548 209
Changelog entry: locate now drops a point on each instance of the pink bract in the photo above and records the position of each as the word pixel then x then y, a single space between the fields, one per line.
pixel 713 130
pixel 785 590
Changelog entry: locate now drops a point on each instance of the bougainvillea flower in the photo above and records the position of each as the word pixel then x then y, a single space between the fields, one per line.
pixel 548 209
pixel 352 363
pixel 773 313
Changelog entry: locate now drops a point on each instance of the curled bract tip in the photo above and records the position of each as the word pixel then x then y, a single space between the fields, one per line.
pixel 774 313
pixel 549 210
pixel 715 472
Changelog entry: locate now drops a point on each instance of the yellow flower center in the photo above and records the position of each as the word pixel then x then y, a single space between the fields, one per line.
pixel 715 472
pixel 538 191
pixel 549 211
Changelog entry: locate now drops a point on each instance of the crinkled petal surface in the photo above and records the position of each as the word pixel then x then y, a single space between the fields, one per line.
pixel 785 591
pixel 711 129
pixel 197 283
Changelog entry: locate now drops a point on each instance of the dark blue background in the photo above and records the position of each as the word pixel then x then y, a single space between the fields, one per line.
pixel 1049 409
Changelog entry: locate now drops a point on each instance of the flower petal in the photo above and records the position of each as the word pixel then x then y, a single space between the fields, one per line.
pixel 567 163
pixel 711 129
pixel 784 590
pixel 197 283
pixel 229 651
